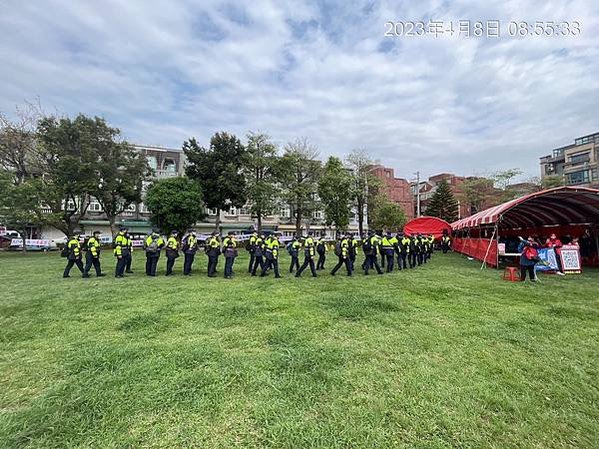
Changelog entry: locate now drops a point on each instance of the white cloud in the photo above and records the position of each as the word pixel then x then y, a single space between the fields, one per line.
pixel 165 71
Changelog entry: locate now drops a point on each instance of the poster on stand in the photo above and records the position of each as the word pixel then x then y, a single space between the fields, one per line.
pixel 570 255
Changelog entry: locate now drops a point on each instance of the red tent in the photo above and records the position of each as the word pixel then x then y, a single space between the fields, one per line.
pixel 427 225
pixel 562 210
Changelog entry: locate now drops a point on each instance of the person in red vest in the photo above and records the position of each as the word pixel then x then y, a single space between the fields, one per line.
pixel 556 244
pixel 528 258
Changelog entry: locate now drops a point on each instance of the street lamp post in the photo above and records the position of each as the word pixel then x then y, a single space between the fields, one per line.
pixel 417 194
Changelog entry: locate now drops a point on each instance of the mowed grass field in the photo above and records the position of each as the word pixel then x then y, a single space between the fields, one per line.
pixel 437 357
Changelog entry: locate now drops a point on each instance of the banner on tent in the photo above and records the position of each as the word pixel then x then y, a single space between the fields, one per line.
pixel 548 261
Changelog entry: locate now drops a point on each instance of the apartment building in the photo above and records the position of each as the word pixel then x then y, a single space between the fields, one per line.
pixel 397 189
pixel 577 163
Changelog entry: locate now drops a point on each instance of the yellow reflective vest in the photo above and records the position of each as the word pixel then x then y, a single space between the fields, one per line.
pixel 120 242
pixel 309 246
pixel 93 246
pixel 172 243
pixel 273 246
pixel 74 248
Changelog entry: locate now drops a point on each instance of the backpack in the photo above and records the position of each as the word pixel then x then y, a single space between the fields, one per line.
pixel 367 246
pixel 531 253
pixel 338 249
pixel 153 246
pixel 65 251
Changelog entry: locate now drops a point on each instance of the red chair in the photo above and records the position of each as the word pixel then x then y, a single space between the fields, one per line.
pixel 511 274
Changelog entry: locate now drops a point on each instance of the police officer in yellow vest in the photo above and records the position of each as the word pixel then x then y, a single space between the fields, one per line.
pixel 92 256
pixel 388 250
pixel 252 250
pixel 425 242
pixel 354 244
pixel 230 253
pixel 445 242
pixel 309 252
pixel 259 251
pixel 121 252
pixel 321 249
pixel 72 252
pixel 272 255
pixel 403 248
pixel 413 251
pixel 379 236
pixel 213 251
pixel 189 248
pixel 371 247
pixel 342 247
pixel 293 248
pixel 152 245
pixel 431 245
pixel 172 252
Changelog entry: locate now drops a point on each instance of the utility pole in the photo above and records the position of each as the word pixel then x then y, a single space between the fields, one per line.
pixel 417 194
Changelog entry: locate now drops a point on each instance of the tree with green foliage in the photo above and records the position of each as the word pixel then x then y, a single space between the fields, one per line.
pixel 503 180
pixel 388 215
pixel 20 190
pixel 300 172
pixel 262 176
pixel 118 173
pixel 505 177
pixel 359 164
pixel 335 192
pixel 375 198
pixel 175 203
pixel 552 181
pixel 477 190
pixel 18 143
pixel 443 203
pixel 219 171
pixel 20 202
pixel 67 151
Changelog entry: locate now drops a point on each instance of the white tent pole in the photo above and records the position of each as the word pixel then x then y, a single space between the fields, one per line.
pixel 484 265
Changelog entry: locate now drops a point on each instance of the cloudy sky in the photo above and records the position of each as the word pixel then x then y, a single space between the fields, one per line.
pixel 163 71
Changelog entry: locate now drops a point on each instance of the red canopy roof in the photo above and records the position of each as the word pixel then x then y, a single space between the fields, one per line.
pixel 558 206
pixel 427 225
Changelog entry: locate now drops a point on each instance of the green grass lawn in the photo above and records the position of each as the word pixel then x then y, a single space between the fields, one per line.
pixel 441 356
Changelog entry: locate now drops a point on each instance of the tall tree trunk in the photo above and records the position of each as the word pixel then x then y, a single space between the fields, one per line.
pixel 217 222
pixel 24 237
pixel 259 222
pixel 70 227
pixel 113 228
pixel 298 221
pixel 360 217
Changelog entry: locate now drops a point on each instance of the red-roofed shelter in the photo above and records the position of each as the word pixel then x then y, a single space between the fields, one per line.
pixel 427 225
pixel 563 210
